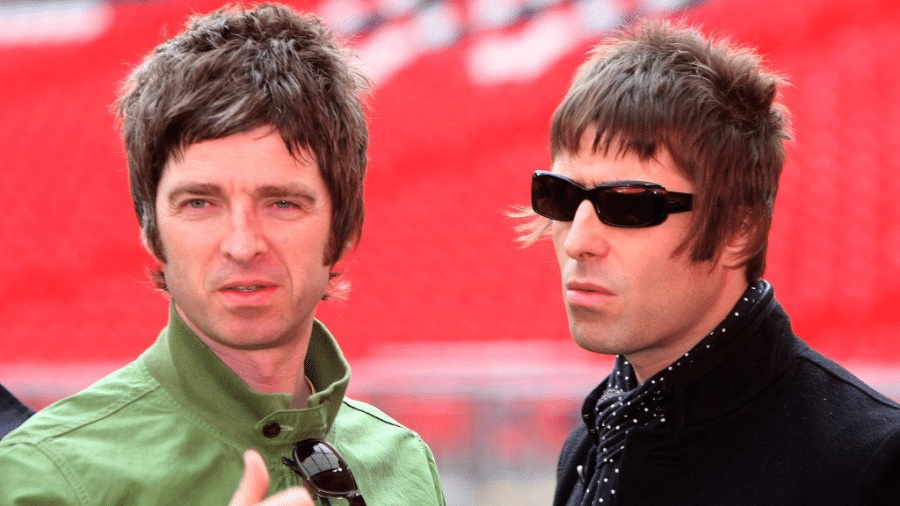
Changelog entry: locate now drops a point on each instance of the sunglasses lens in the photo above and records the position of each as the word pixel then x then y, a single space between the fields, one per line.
pixel 337 481
pixel 619 204
pixel 554 197
pixel 626 206
pixel 324 468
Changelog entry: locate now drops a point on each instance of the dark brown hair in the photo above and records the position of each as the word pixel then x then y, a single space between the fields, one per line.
pixel 710 104
pixel 232 71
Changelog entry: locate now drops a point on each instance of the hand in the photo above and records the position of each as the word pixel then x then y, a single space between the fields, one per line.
pixel 255 483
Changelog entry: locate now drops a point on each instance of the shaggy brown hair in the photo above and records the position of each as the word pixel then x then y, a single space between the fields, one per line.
pixel 235 70
pixel 710 104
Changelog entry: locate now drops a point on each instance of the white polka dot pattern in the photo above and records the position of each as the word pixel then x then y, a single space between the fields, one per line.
pixel 625 404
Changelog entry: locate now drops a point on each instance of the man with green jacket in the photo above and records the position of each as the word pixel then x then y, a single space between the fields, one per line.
pixel 246 141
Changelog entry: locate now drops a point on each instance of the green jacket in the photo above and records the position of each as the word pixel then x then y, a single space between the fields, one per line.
pixel 172 427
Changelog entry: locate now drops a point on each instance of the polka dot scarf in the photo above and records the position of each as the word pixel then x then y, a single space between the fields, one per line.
pixel 625 404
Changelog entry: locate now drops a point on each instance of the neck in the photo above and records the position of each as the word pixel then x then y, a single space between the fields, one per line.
pixel 270 370
pixel 277 368
pixel 648 364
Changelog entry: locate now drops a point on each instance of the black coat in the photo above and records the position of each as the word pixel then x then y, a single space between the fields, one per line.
pixel 770 422
pixel 12 412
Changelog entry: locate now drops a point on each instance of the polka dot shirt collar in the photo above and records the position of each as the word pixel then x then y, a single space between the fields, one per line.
pixel 624 404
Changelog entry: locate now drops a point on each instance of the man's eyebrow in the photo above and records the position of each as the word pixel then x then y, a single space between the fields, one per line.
pixel 205 189
pixel 288 190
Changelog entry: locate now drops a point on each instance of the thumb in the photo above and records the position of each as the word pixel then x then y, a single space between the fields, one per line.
pixel 294 496
pixel 255 482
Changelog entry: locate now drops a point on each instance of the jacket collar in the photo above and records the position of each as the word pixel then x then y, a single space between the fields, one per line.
pixel 219 400
pixel 740 369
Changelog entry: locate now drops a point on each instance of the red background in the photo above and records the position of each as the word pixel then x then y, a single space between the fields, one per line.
pixel 438 263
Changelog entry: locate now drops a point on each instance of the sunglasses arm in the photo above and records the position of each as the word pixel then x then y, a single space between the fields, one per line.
pixel 356 500
pixel 290 463
pixel 676 201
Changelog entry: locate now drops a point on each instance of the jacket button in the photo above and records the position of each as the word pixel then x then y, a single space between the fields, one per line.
pixel 271 429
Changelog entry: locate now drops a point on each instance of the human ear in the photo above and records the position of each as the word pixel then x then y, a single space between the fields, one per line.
pixel 147 244
pixel 348 246
pixel 735 253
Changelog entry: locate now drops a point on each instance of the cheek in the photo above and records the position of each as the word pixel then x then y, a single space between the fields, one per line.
pixel 673 286
pixel 558 234
pixel 186 251
pixel 304 252
pixel 652 271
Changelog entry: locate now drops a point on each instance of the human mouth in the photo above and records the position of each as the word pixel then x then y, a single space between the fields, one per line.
pixel 246 288
pixel 582 293
pixel 248 292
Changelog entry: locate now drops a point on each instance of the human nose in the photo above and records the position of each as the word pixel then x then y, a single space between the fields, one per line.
pixel 585 238
pixel 245 240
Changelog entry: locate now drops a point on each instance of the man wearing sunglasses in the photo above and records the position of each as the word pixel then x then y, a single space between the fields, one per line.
pixel 666 155
pixel 246 140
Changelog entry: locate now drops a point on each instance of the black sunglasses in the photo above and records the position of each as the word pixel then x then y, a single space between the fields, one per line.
pixel 620 204
pixel 324 470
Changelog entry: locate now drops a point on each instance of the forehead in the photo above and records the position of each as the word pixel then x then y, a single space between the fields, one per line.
pixel 590 167
pixel 256 157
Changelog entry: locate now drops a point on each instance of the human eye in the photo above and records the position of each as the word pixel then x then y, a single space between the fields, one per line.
pixel 194 207
pixel 287 201
pixel 285 209
pixel 196 203
pixel 284 204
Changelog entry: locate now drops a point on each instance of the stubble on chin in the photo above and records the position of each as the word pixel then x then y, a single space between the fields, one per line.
pixel 590 331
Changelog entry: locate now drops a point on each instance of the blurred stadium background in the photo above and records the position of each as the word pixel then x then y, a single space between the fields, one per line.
pixel 450 327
